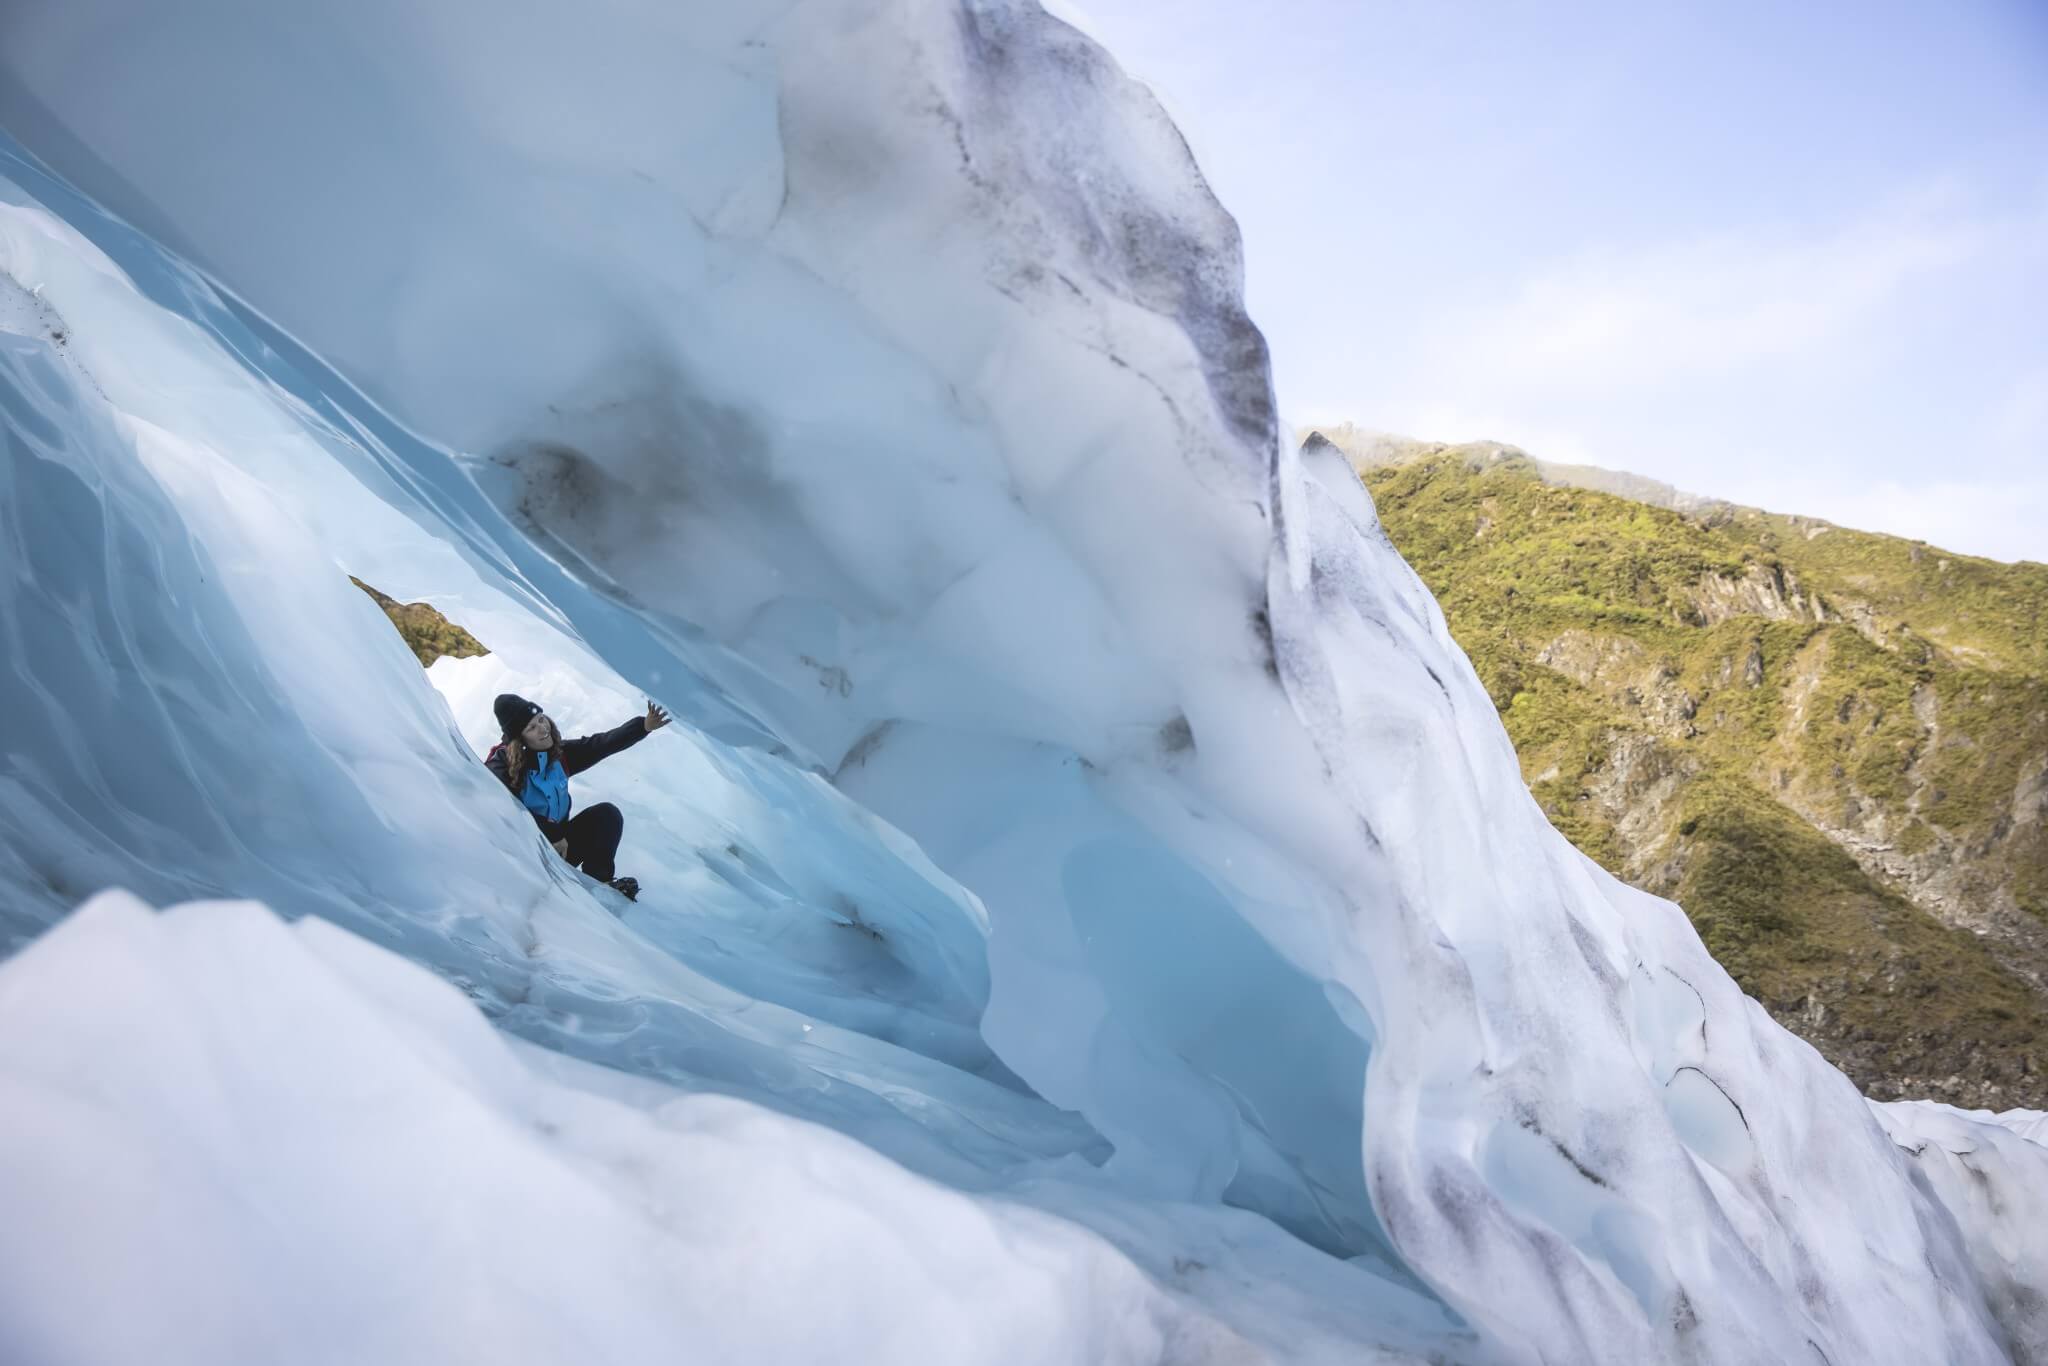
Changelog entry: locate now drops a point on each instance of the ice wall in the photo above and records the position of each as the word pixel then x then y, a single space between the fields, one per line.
pixel 1991 1174
pixel 192 1066
pixel 877 377
pixel 200 700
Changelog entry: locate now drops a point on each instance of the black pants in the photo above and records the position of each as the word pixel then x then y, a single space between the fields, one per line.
pixel 594 839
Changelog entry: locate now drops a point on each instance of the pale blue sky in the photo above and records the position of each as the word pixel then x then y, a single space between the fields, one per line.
pixel 1790 253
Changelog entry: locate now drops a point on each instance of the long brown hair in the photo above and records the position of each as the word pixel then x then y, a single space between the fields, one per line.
pixel 517 755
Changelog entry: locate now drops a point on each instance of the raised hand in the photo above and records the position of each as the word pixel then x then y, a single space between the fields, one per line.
pixel 657 717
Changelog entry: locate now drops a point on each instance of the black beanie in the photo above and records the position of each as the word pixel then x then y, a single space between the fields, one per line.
pixel 513 712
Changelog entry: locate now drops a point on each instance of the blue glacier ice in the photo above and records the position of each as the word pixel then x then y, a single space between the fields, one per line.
pixel 1093 912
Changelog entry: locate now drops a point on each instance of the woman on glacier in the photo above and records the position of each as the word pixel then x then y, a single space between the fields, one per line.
pixel 535 763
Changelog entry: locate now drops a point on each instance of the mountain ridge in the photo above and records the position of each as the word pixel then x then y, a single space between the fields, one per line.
pixel 1830 746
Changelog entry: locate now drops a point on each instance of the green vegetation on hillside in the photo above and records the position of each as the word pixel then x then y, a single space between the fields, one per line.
pixel 1829 746
pixel 1975 610
pixel 427 633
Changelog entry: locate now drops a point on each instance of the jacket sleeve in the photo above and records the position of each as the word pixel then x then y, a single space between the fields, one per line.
pixel 495 762
pixel 585 750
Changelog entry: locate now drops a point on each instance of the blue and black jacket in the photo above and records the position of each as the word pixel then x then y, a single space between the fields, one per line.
pixel 545 791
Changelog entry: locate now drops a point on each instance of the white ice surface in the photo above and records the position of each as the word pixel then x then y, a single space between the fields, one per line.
pixel 176 530
pixel 1990 1172
pixel 2031 1124
pixel 871 382
pixel 302 1148
pixel 753 887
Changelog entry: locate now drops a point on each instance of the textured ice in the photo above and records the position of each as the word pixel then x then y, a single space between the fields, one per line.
pixel 2031 1124
pixel 871 384
pixel 1990 1172
pixel 450 1196
pixel 182 595
pixel 763 878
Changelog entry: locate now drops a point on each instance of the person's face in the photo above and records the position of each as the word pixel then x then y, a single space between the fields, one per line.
pixel 538 735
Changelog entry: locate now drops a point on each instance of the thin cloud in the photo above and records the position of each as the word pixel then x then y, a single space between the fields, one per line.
pixel 2020 423
pixel 1670 313
pixel 1998 519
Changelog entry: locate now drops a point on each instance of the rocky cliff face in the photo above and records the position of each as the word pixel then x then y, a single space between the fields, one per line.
pixel 1831 747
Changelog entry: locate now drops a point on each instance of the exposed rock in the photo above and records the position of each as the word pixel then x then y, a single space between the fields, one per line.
pixel 1765 591
pixel 1636 792
pixel 1626 674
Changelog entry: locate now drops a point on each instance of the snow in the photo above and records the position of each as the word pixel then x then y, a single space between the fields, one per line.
pixel 871 384
pixel 2031 1124
pixel 379 1176
pixel 1990 1174
pixel 177 533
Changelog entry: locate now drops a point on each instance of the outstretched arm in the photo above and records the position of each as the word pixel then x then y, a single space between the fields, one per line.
pixel 586 750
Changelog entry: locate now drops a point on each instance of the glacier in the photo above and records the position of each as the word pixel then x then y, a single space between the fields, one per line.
pixel 1093 912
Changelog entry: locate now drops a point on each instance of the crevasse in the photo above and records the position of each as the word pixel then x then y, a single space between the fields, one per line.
pixel 1080 807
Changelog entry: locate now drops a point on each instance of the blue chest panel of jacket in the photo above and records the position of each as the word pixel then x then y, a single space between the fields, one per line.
pixel 547 789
